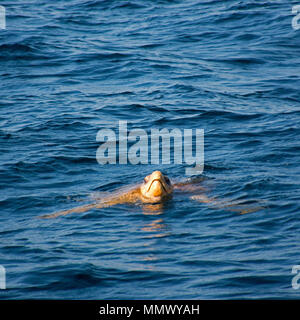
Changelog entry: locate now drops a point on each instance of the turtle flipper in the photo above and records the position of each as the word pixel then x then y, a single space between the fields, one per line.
pixel 73 210
pixel 241 207
pixel 127 197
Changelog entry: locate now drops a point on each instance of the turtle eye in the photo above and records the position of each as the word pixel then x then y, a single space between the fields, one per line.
pixel 167 180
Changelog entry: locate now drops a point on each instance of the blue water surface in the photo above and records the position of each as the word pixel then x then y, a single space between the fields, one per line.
pixel 71 68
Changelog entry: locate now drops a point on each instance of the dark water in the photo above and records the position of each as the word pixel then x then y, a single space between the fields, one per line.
pixel 70 68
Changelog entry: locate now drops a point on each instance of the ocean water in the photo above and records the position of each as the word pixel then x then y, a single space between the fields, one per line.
pixel 71 68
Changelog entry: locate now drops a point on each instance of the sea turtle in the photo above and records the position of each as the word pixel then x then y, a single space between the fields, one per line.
pixel 155 189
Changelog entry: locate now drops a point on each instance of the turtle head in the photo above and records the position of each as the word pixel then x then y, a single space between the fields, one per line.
pixel 156 187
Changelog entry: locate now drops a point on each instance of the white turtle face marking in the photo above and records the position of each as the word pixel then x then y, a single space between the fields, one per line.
pixel 156 187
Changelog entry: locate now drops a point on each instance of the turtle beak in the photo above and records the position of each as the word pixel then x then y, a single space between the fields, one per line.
pixel 157 188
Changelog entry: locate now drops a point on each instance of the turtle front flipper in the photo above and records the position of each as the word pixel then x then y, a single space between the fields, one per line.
pixel 241 207
pixel 73 210
pixel 128 197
